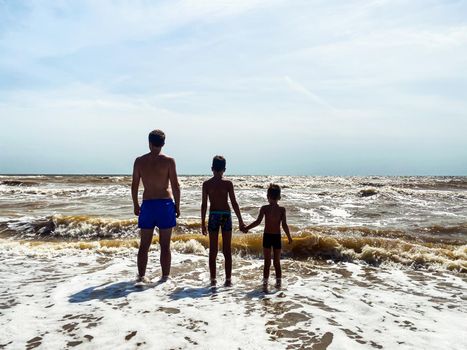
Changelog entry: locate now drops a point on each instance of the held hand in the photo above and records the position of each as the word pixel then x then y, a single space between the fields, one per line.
pixel 136 209
pixel 242 227
pixel 290 240
pixel 204 230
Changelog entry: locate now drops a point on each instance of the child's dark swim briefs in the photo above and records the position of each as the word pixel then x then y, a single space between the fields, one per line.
pixel 157 212
pixel 220 219
pixel 272 240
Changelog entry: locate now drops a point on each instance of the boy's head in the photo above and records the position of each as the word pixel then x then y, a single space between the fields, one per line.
pixel 274 192
pixel 218 164
pixel 156 139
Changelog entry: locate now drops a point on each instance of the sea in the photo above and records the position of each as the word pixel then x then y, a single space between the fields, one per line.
pixel 376 263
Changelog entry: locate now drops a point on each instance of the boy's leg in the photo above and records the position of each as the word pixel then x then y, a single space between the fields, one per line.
pixel 166 256
pixel 227 251
pixel 277 264
pixel 145 243
pixel 213 247
pixel 267 263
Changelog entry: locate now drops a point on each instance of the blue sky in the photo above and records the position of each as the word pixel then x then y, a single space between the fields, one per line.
pixel 276 86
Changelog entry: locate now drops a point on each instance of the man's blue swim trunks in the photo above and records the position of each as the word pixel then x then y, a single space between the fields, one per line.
pixel 157 212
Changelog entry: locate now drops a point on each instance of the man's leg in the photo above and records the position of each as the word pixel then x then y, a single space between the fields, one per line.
pixel 166 256
pixel 227 251
pixel 213 247
pixel 145 243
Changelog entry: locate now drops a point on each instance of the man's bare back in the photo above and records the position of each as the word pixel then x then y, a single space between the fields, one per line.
pixel 155 174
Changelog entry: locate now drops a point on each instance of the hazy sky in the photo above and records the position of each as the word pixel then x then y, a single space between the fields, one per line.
pixel 276 86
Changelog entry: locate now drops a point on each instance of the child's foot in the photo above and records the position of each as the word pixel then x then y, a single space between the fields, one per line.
pixel 142 280
pixel 228 283
pixel 278 283
pixel 164 279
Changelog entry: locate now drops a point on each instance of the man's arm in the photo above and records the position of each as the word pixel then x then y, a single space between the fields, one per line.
pixel 256 222
pixel 175 185
pixel 285 227
pixel 235 206
pixel 135 187
pixel 204 209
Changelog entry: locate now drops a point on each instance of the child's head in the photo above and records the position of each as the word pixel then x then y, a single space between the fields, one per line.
pixel 156 139
pixel 218 164
pixel 274 193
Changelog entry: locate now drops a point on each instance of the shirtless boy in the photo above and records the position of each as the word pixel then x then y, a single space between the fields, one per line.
pixel 158 209
pixel 218 191
pixel 275 218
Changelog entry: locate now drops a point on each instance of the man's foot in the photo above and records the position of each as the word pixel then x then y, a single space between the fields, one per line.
pixel 265 282
pixel 278 282
pixel 228 282
pixel 213 282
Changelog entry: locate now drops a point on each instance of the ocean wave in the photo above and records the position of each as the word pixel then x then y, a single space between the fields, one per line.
pixel 83 227
pixel 305 246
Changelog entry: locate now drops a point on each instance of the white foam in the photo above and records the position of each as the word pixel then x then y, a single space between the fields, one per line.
pixel 68 295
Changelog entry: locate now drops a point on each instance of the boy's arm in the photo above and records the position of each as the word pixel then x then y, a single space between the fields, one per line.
pixel 204 208
pixel 257 221
pixel 235 206
pixel 175 185
pixel 135 186
pixel 285 227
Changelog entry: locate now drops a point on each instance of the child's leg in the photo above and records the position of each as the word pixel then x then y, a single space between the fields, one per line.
pixel 277 264
pixel 213 247
pixel 267 262
pixel 227 250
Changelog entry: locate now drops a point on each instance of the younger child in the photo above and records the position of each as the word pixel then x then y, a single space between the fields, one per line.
pixel 275 217
pixel 218 191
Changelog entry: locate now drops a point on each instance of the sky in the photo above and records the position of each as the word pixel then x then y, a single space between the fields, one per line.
pixel 298 87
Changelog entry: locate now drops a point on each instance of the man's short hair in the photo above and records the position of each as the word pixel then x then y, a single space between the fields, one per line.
pixel 218 163
pixel 274 191
pixel 157 138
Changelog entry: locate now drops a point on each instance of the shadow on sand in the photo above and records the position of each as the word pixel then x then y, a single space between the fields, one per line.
pixel 193 293
pixel 110 291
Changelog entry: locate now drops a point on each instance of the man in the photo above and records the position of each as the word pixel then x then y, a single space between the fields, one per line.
pixel 158 208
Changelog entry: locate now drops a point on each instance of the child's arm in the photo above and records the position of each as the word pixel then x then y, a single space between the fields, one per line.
pixel 285 227
pixel 235 206
pixel 204 208
pixel 256 222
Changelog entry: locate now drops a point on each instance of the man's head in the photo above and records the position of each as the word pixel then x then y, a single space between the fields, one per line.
pixel 218 164
pixel 156 139
pixel 274 192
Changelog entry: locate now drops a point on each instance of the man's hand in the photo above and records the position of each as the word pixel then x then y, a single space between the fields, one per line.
pixel 290 239
pixel 204 230
pixel 136 209
pixel 177 211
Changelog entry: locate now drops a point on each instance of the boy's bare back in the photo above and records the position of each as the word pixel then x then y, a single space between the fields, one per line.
pixel 218 191
pixel 156 171
pixel 274 215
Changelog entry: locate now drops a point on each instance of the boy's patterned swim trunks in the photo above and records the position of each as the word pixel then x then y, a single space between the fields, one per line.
pixel 220 219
